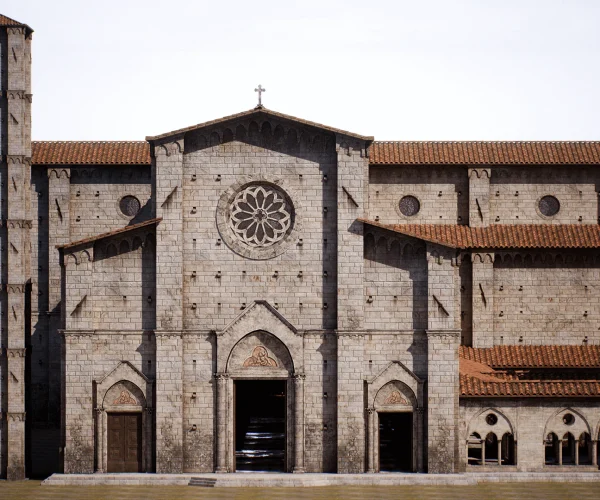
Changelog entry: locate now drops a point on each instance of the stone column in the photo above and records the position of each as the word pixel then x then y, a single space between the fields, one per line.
pixel 500 451
pixel 594 452
pixel 576 450
pixel 371 440
pixel 99 439
pixel 483 451
pixel 560 449
pixel 420 435
pixel 148 433
pixel 299 422
pixel 222 379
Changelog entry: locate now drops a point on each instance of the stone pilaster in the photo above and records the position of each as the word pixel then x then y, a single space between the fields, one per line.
pixel 443 339
pixel 352 199
pixel 299 422
pixel 479 197
pixel 442 400
pixel 15 176
pixel 169 402
pixel 483 299
pixel 371 416
pixel 221 441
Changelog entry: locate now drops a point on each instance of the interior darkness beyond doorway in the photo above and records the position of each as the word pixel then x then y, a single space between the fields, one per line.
pixel 260 411
pixel 395 442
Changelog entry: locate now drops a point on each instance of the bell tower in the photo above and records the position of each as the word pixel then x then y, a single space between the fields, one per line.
pixel 15 245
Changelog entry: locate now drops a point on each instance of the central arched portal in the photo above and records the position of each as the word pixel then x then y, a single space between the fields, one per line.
pixel 263 398
pixel 260 431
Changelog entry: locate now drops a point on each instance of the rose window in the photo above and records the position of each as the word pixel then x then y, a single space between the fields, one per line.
pixel 260 216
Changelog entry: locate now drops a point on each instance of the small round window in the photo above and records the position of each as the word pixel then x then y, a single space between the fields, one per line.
pixel 129 205
pixel 409 206
pixel 568 419
pixel 491 419
pixel 549 206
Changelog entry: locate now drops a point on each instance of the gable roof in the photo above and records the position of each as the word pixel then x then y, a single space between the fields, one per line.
pixel 500 236
pixel 90 153
pixel 259 110
pixel 126 229
pixel 485 153
pixel 534 356
pixel 482 375
pixel 7 21
pixel 381 153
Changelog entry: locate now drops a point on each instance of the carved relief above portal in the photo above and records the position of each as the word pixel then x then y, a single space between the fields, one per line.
pixel 260 358
pixel 395 398
pixel 125 398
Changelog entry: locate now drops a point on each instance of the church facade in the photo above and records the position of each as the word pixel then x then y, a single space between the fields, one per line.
pixel 261 292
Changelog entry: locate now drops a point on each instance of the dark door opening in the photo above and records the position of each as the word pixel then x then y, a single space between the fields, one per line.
pixel 124 442
pixel 260 417
pixel 395 442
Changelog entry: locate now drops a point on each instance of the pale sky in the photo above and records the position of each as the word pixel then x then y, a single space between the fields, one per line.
pixel 395 69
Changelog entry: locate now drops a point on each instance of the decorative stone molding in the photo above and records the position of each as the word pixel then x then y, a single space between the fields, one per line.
pixel 16 223
pixel 59 173
pixel 18 160
pixel 12 352
pixel 15 416
pixel 480 172
pixel 444 334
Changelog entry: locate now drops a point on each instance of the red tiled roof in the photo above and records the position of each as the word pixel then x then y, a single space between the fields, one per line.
pixel 7 21
pixel 474 387
pixel 381 153
pixel 122 230
pixel 479 375
pixel 485 153
pixel 534 356
pixel 90 153
pixel 501 235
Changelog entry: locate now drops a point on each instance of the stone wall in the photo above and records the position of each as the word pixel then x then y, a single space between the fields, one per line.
pixel 515 193
pixel 542 298
pixel 443 193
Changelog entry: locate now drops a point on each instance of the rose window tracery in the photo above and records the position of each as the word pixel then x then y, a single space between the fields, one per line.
pixel 260 216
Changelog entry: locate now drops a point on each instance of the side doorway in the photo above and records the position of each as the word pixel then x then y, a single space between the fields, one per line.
pixel 396 442
pixel 124 442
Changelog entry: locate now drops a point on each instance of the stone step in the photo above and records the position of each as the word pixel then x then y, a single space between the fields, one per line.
pixel 203 482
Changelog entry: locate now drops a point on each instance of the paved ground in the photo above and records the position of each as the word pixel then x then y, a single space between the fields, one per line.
pixel 509 491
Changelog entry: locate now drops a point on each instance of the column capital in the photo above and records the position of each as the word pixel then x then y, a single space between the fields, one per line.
pixel 299 376
pixel 371 410
pixel 221 376
pixel 99 411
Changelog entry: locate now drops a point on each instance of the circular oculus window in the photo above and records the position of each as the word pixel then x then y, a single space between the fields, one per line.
pixel 491 419
pixel 549 205
pixel 129 206
pixel 568 419
pixel 409 206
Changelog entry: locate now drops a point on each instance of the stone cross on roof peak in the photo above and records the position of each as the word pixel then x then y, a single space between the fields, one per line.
pixel 260 90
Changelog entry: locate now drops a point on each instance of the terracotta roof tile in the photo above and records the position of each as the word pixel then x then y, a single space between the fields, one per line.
pixel 480 375
pixel 382 153
pixel 485 153
pixel 90 153
pixel 7 21
pixel 501 236
pixel 122 230
pixel 475 387
pixel 534 356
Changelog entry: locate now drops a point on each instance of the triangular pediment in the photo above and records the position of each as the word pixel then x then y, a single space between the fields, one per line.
pixel 256 113
pixel 249 318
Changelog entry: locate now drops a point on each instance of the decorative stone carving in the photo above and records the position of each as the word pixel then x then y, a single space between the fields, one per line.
pixel 395 398
pixel 260 358
pixel 260 215
pixel 125 398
